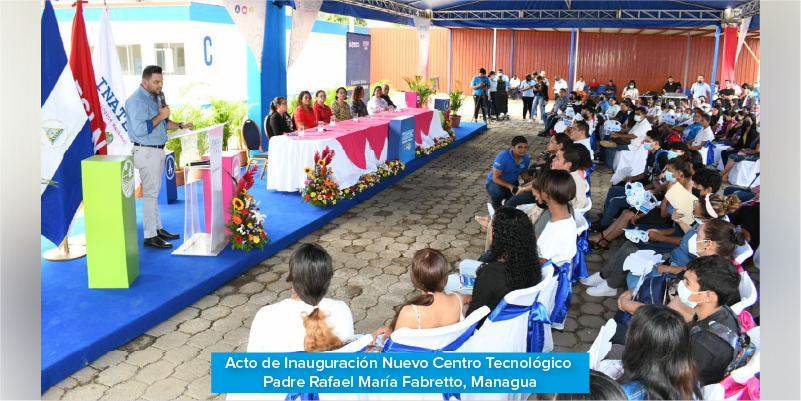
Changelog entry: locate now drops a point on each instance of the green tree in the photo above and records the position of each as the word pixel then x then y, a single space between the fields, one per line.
pixel 342 19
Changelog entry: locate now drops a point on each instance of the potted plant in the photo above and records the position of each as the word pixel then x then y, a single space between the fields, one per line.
pixel 424 90
pixel 456 97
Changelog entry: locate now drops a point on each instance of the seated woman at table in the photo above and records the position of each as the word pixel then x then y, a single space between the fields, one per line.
pixel 304 114
pixel 321 111
pixel 376 104
pixel 280 122
pixel 339 107
pixel 357 106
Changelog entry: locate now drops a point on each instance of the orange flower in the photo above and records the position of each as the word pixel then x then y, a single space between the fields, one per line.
pixel 237 220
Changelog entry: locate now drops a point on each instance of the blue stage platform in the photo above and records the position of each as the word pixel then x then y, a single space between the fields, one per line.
pixel 80 324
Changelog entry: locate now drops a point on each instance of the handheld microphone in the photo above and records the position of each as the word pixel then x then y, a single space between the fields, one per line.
pixel 163 102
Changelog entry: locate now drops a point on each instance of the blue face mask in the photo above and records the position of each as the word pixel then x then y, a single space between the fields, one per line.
pixel 669 176
pixel 671 103
pixel 685 116
pixel 757 130
pixel 647 146
pixel 672 155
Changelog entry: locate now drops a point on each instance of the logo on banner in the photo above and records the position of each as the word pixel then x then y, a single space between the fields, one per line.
pixel 128 178
pixel 354 45
pixel 170 167
pixel 236 9
pixel 366 44
pixel 407 136
pixel 54 133
pixel 109 137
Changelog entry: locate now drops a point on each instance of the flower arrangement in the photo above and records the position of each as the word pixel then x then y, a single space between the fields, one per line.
pixel 322 187
pixel 391 168
pixel 246 228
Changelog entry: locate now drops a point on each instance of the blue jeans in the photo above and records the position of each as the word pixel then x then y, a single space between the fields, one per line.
pixel 539 101
pixel 613 206
pixel 523 199
pixel 609 153
pixel 593 95
pixel 498 193
pixel 743 194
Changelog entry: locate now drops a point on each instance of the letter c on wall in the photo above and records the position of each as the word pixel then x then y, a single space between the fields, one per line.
pixel 207 57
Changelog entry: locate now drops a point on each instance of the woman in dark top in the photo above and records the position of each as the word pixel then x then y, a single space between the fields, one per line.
pixel 744 139
pixel 357 106
pixel 513 263
pixel 280 121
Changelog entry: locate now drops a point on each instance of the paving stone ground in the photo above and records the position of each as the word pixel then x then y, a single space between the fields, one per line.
pixel 371 246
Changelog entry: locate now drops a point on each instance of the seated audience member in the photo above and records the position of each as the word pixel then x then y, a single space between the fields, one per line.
pixel 613 110
pixel 704 135
pixel 678 171
pixel 654 166
pixel 655 111
pixel 689 133
pixel 631 91
pixel 744 140
pixel 357 106
pixel 557 241
pixel 602 387
pixel 750 154
pixel 304 113
pixel 606 282
pixel 593 87
pixel 339 107
pixel 744 194
pixel 377 104
pixel 321 111
pixel 580 134
pixel 552 117
pixel 658 357
pixel 308 321
pixel 611 89
pixel 634 138
pixel 507 168
pixel 280 122
pixel 513 262
pixel 603 104
pixel 385 96
pixel 431 308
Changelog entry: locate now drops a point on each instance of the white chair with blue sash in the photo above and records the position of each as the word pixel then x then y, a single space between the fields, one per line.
pixel 517 324
pixel 748 293
pixel 708 153
pixel 745 174
pixel 442 339
pixel 357 345
pixel 742 253
pixel 582 245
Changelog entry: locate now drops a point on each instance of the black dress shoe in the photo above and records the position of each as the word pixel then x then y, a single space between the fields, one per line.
pixel 157 242
pixel 164 234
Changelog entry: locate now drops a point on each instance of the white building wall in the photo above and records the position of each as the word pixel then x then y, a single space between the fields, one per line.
pixel 321 64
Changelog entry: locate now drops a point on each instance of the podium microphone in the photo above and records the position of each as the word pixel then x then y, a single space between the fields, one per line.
pixel 163 102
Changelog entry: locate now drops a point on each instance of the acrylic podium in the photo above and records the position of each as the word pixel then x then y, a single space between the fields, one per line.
pixel 211 240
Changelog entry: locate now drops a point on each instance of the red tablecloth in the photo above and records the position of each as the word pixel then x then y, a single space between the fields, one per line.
pixel 376 131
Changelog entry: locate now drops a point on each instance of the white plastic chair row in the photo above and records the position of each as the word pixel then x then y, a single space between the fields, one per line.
pixel 748 293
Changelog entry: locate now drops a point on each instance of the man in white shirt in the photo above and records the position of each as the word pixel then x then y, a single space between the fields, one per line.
pixel 558 83
pixel 705 135
pixel 701 88
pixel 580 134
pixel 636 136
pixel 514 87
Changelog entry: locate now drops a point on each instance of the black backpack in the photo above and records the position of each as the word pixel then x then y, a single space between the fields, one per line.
pixel 742 347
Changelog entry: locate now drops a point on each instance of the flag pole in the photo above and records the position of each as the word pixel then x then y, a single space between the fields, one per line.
pixel 77 242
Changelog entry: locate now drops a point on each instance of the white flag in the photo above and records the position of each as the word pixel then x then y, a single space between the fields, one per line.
pixel 741 39
pixel 423 26
pixel 249 15
pixel 302 23
pixel 111 91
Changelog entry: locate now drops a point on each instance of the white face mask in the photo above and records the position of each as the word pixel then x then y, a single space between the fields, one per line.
pixel 637 118
pixel 684 295
pixel 578 117
pixel 692 245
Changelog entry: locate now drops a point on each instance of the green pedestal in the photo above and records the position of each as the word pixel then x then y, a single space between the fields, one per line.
pixel 112 248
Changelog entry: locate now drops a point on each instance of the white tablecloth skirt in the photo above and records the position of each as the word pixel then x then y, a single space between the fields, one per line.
pixel 744 173
pixel 435 131
pixel 288 158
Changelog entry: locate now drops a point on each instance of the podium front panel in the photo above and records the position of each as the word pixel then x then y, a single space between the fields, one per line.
pixel 401 139
pixel 231 164
pixel 112 239
pixel 169 189
pixel 413 99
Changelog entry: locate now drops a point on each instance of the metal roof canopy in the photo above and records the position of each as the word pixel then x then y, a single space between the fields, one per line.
pixel 550 14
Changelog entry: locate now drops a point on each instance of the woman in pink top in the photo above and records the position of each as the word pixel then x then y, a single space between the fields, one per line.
pixel 303 113
pixel 321 111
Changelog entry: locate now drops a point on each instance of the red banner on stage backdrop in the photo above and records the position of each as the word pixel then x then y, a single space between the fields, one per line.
pixel 729 54
pixel 84 73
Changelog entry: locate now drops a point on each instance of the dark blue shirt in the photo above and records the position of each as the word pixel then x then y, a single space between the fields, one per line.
pixel 505 161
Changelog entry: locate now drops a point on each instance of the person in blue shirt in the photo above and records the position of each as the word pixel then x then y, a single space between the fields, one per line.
pixel 480 85
pixel 509 165
pixel 692 130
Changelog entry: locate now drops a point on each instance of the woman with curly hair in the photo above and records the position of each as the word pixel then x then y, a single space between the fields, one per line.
pixel 513 263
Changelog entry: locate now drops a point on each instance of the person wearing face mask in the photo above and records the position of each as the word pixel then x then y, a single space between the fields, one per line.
pixel 627 141
pixel 689 133
pixel 558 84
pixel 655 111
pixel 743 141
pixel 704 135
pixel 527 92
pixel 631 91
pixel 700 88
pixel 559 105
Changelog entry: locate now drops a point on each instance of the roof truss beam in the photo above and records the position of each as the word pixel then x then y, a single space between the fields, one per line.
pixel 642 15
pixel 748 9
pixel 387 6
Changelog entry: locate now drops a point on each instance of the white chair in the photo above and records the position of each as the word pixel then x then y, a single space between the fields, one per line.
pixel 634 159
pixel 748 293
pixel 744 174
pixel 357 345
pixel 756 257
pixel 586 207
pixel 742 253
pixel 505 332
pixel 579 264
pixel 442 339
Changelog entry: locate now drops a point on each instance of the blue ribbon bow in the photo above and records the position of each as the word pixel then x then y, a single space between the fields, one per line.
pixel 564 293
pixel 391 346
pixel 589 173
pixel 302 397
pixel 710 154
pixel 579 263
pixel 447 396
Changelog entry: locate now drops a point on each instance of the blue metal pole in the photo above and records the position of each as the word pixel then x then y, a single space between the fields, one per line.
pixel 450 57
pixel 715 63
pixel 570 61
pixel 273 61
pixel 512 63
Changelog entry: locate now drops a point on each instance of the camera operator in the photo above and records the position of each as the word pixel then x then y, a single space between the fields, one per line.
pixel 480 85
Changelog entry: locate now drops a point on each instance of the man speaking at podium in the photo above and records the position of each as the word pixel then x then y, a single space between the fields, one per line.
pixel 148 119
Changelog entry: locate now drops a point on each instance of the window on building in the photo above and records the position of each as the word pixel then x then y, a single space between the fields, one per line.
pixel 130 59
pixel 170 57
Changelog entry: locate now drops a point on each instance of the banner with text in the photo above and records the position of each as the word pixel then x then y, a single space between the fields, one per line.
pixel 302 23
pixel 249 15
pixel 423 27
pixel 400 372
pixel 358 60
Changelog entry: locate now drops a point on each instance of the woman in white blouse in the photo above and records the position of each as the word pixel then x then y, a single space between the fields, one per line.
pixel 376 104
pixel 631 92
pixel 306 322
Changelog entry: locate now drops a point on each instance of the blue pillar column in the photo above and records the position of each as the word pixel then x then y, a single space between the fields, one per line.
pixel 570 61
pixel 715 62
pixel 273 61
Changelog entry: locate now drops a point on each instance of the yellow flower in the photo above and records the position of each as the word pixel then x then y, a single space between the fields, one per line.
pixel 256 240
pixel 250 225
pixel 244 191
pixel 334 202
pixel 313 194
pixel 321 162
pixel 238 204
pixel 307 170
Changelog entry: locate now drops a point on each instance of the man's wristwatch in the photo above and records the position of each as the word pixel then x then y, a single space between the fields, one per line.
pixel 181 125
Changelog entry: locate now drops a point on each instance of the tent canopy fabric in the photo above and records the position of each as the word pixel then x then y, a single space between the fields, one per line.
pixel 545 14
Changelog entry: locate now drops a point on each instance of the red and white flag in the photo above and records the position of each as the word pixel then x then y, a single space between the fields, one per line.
pixel 84 73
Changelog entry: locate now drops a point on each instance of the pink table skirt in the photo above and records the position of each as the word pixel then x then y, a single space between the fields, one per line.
pixel 354 137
